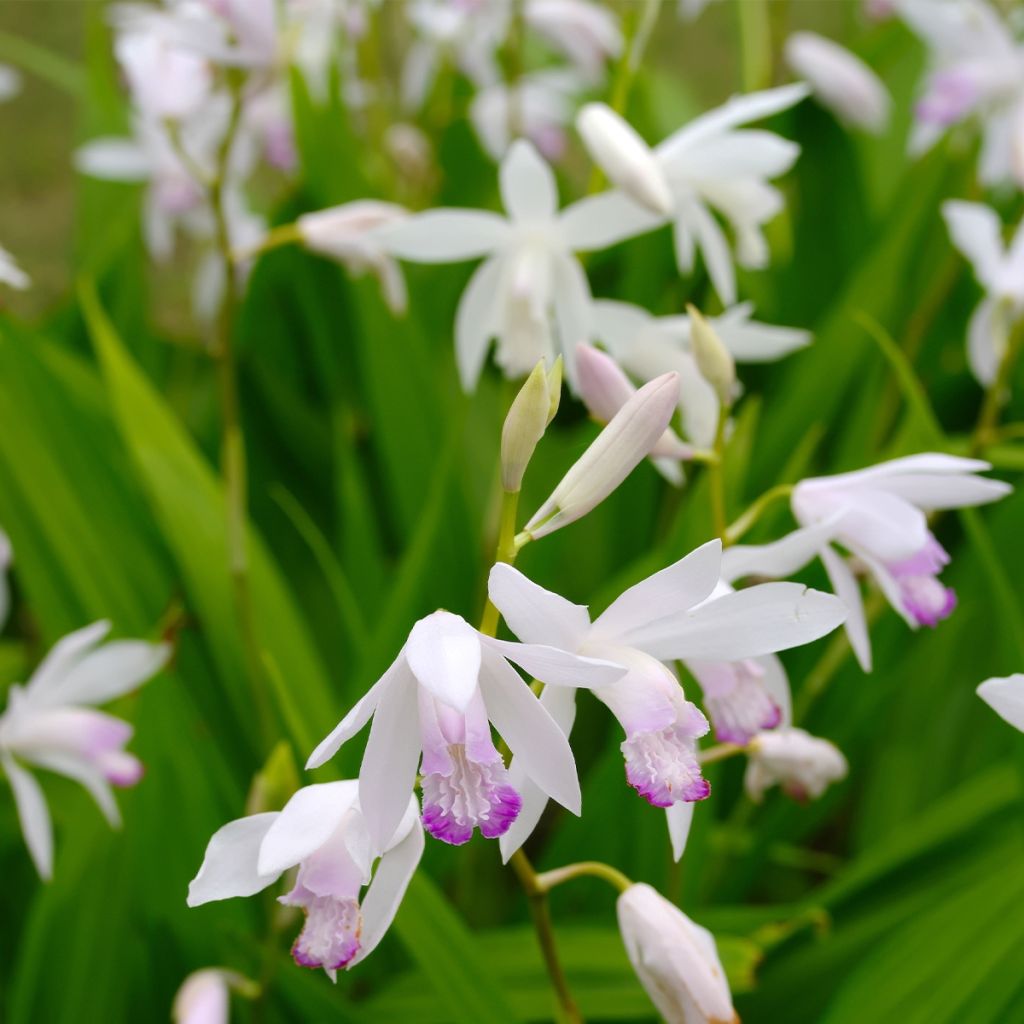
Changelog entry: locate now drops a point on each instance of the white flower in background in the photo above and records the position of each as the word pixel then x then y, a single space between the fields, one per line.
pixel 586 33
pixel 447 683
pixel 531 292
pixel 675 959
pixel 672 615
pixel 10 273
pixel 323 831
pixel 50 724
pixel 344 233
pixel 879 516
pixel 646 346
pixel 976 71
pixel 604 389
pixel 978 233
pixel 204 997
pixel 840 80
pixel 802 764
pixel 711 163
pixel 10 82
pixel 1006 698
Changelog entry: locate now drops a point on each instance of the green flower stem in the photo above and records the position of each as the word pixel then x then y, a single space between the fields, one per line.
pixel 720 752
pixel 754 512
pixel 506 552
pixel 755 44
pixel 716 480
pixel 592 868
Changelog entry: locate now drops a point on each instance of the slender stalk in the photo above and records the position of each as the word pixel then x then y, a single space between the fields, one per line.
pixel 593 868
pixel 755 44
pixel 755 510
pixel 720 752
pixel 716 480
pixel 506 552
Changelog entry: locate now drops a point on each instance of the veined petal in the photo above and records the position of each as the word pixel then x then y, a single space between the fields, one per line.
pixel 1006 698
pixel 670 592
pixel 977 232
pixel 557 667
pixel 33 814
pixel 536 615
pixel 530 732
pixel 759 620
pixel 112 670
pixel 229 865
pixel 305 824
pixel 847 589
pixel 61 658
pixel 680 817
pixel 601 221
pixel 443 653
pixel 476 320
pixel 388 771
pixel 781 558
pixel 528 190
pixel 443 236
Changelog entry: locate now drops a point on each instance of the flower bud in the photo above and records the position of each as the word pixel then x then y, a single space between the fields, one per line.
pixel 802 764
pixel 524 426
pixel 629 162
pixel 675 959
pixel 203 997
pixel 714 360
pixel 555 387
pixel 629 437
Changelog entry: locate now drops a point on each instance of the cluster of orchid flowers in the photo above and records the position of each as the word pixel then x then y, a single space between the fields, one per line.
pixel 209 85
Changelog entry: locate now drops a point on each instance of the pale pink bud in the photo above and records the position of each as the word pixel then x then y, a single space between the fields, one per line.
pixel 801 764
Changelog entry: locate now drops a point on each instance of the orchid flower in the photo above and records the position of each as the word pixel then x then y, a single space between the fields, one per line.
pixel 977 232
pixel 878 516
pixel 437 699
pixel 675 959
pixel 646 346
pixel 709 163
pixel 840 80
pixel 323 831
pixel 530 277
pixel 50 724
pixel 586 33
pixel 1006 698
pixel 670 616
pixel 976 71
pixel 802 764
pixel 203 998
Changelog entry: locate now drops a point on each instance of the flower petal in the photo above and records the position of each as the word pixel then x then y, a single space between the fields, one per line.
pixel 750 341
pixel 443 235
pixel 33 814
pixel 113 159
pixel 111 671
pixel 534 614
pixel 1006 698
pixel 229 865
pixel 476 320
pixel 443 652
pixel 776 683
pixel 847 589
pixel 781 558
pixel 680 817
pixel 975 229
pixel 984 353
pixel 572 309
pixel 62 657
pixel 557 667
pixel 85 775
pixel 601 221
pixel 528 189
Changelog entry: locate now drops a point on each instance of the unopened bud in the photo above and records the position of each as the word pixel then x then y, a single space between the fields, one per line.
pixel 801 764
pixel 714 360
pixel 524 426
pixel 555 387
pixel 203 996
pixel 629 162
pixel 629 437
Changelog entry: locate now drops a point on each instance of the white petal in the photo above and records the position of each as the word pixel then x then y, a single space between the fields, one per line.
pixel 601 221
pixel 113 159
pixel 984 351
pixel 476 320
pixel 759 620
pixel 847 589
pixel 388 771
pixel 229 865
pixel 33 814
pixel 391 879
pixel 714 247
pixel 63 656
pixel 1006 698
pixel 112 670
pixel 557 667
pixel 752 342
pixel 572 309
pixel 530 732
pixel 781 558
pixel 85 775
pixel 977 232
pixel 528 189
pixel 443 652
pixel 670 592
pixel 680 818
pixel 443 236
pixel 536 615
pixel 741 154
pixel 776 683
pixel 306 822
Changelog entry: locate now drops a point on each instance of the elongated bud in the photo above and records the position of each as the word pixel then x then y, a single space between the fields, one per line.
pixel 524 426
pixel 629 162
pixel 675 959
pixel 555 387
pixel 203 996
pixel 714 360
pixel 628 438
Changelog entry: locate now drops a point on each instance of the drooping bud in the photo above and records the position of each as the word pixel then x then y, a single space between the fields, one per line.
pixel 629 162
pixel 629 437
pixel 675 959
pixel 801 764
pixel 203 997
pixel 714 360
pixel 525 424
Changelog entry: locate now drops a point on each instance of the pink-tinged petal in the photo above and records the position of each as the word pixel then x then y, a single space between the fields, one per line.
pixel 229 866
pixel 110 671
pixel 530 732
pixel 443 653
pixel 476 320
pixel 847 589
pixel 63 656
pixel 33 815
pixel 202 999
pixel 528 190
pixel 330 932
pixel 645 700
pixel 388 771
pixel 736 699
pixel 1006 698
pixel 776 683
pixel 662 765
pixel 90 777
pixel 305 824
pixel 557 667
pixel 468 796
pixel 673 591
pixel 536 615
pixel 444 236
pixel 680 818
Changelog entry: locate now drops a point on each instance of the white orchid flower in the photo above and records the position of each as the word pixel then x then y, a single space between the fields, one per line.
pixel 675 959
pixel 802 764
pixel 977 232
pixel 708 164
pixel 1006 698
pixel 447 683
pixel 323 831
pixel 670 616
pixel 646 346
pixel 49 723
pixel 879 516
pixel 530 292
pixel 586 33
